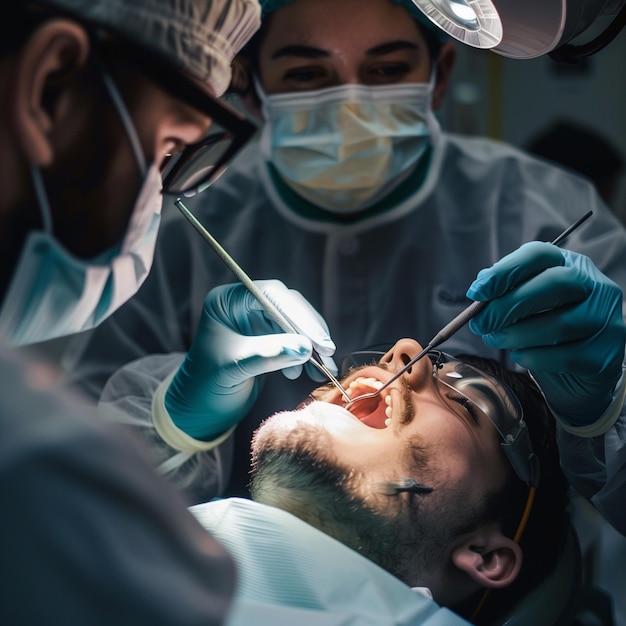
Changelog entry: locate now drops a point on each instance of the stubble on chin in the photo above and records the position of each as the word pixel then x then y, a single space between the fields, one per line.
pixel 287 432
pixel 293 468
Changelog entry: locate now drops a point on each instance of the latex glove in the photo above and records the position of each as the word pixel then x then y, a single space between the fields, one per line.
pixel 562 319
pixel 236 341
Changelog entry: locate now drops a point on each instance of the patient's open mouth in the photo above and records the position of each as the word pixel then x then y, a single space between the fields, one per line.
pixel 374 412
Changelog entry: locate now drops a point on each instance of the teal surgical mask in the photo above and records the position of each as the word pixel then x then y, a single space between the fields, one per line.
pixel 345 148
pixel 53 293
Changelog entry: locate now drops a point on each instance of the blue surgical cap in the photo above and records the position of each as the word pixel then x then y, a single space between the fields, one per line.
pixel 269 6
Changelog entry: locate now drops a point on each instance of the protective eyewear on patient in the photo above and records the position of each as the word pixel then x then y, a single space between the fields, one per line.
pixel 488 394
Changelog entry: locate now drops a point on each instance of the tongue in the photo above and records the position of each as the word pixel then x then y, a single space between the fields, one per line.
pixel 370 411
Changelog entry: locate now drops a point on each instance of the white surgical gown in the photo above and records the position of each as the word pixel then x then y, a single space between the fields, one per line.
pixel 292 573
pixel 401 273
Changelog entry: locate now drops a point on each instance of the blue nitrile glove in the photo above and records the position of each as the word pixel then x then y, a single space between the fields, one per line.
pixel 562 318
pixel 236 341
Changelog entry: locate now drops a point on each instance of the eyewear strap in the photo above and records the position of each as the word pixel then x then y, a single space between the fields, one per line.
pixel 516 538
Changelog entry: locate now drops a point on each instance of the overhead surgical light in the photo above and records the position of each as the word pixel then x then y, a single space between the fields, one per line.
pixel 473 22
pixel 525 29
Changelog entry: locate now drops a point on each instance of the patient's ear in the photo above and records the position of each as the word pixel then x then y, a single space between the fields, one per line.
pixel 489 558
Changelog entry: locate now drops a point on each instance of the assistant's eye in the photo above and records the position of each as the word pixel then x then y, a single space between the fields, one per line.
pixel 305 76
pixel 387 72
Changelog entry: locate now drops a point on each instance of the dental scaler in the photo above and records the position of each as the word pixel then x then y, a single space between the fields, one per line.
pixel 455 325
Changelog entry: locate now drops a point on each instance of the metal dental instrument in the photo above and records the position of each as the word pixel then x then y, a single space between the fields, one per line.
pixel 455 325
pixel 270 308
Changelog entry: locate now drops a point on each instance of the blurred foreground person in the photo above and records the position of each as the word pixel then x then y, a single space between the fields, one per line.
pixel 93 96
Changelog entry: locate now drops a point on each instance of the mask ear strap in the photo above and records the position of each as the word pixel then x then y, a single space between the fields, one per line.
pixel 125 117
pixel 432 81
pixel 260 92
pixel 42 198
pixel 265 141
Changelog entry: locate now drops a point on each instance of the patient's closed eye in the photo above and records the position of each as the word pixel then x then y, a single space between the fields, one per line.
pixel 468 406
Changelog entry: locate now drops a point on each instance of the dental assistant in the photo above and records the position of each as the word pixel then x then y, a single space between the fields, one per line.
pixel 89 534
pixel 356 197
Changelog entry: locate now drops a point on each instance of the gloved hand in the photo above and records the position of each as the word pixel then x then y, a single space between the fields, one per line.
pixel 236 341
pixel 562 318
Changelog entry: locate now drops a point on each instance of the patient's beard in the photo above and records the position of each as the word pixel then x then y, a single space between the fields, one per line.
pixel 294 470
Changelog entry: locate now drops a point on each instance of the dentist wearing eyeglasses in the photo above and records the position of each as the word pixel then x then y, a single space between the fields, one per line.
pixel 89 534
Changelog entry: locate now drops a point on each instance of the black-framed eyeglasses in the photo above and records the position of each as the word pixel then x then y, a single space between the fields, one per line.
pixel 198 165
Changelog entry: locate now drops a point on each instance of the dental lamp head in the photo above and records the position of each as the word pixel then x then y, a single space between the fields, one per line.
pixel 525 29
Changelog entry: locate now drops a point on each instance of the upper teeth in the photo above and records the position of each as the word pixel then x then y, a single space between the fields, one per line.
pixel 365 382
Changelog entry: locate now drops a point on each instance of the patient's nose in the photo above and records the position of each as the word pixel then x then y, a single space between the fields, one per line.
pixel 402 352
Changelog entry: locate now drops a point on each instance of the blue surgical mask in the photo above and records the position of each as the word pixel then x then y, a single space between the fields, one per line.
pixel 53 293
pixel 345 148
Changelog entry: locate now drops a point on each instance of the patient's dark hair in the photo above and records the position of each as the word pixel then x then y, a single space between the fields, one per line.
pixel 545 533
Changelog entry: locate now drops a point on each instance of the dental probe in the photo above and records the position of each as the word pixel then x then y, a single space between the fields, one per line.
pixel 456 324
pixel 270 308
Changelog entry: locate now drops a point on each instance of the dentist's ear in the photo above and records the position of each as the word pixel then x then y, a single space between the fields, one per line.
pixel 489 558
pixel 46 63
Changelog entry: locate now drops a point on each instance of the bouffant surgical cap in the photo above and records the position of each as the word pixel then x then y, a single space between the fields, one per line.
pixel 201 37
pixel 269 6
